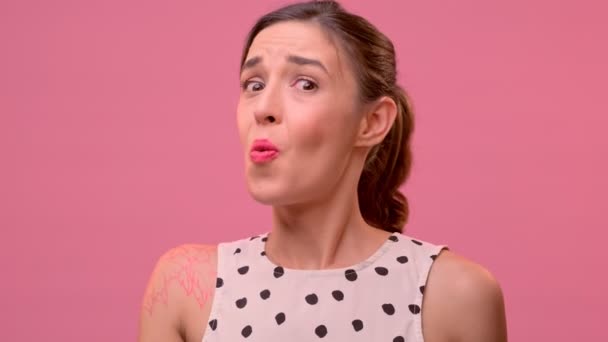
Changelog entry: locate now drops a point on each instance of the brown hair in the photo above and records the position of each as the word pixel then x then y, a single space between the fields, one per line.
pixel 372 55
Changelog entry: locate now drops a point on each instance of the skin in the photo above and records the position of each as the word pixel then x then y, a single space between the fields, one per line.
pixel 323 136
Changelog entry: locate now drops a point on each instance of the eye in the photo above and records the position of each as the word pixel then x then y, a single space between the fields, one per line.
pixel 256 86
pixel 307 85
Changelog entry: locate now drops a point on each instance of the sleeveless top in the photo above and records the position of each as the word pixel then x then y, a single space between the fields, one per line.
pixel 378 299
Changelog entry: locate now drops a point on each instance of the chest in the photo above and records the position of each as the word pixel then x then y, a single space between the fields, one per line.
pixel 373 307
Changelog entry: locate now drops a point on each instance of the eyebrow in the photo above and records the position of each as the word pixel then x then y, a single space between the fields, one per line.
pixel 299 60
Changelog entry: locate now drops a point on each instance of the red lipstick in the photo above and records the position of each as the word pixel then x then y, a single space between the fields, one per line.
pixel 263 151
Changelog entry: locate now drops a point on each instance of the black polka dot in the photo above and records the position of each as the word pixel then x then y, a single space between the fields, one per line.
pixel 393 238
pixel 351 274
pixel 246 331
pixel 417 242
pixel 388 309
pixel 399 339
pixel 254 237
pixel 265 294
pixel 243 270
pixel 415 309
pixel 213 324
pixel 219 282
pixel 312 299
pixel 240 303
pixel 338 295
pixel 402 259
pixel 265 238
pixel 321 330
pixel 238 250
pixel 278 272
pixel 263 253
pixel 357 325
pixel 433 256
pixel 422 289
pixel 280 318
pixel 381 271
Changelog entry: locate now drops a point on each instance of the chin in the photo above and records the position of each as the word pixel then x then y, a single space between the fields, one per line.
pixel 276 196
pixel 269 199
pixel 265 192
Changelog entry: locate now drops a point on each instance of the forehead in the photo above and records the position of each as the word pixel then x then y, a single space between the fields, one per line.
pixel 306 39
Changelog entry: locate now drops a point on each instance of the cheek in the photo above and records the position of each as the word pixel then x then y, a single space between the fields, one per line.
pixel 318 133
pixel 242 123
pixel 308 132
pixel 311 134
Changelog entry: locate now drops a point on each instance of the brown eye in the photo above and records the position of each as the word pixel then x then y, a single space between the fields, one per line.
pixel 255 86
pixel 306 84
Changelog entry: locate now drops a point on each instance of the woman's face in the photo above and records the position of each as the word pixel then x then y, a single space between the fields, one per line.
pixel 301 95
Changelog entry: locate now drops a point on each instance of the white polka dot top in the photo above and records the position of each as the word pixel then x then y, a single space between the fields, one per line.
pixel 378 299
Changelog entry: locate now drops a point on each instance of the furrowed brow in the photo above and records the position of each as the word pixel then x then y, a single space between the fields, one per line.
pixel 251 62
pixel 299 60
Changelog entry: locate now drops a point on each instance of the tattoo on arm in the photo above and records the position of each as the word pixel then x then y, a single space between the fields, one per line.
pixel 186 266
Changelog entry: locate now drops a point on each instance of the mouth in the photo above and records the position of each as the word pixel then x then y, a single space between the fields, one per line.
pixel 263 151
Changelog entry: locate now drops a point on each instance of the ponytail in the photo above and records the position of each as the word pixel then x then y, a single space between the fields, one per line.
pixel 387 166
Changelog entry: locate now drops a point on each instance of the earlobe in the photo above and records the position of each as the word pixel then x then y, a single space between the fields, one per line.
pixel 377 121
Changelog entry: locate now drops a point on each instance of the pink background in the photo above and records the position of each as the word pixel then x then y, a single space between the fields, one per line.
pixel 118 141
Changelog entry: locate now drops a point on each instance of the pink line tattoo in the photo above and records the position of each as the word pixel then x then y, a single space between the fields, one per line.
pixel 187 266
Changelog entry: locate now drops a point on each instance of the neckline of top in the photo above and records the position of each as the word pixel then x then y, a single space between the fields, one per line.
pixel 390 240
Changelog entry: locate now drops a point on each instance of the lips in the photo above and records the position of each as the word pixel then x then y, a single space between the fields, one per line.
pixel 262 145
pixel 263 151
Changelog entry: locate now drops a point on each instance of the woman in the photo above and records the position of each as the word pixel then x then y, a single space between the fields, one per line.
pixel 326 132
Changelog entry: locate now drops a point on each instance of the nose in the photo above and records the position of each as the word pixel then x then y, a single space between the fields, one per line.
pixel 268 106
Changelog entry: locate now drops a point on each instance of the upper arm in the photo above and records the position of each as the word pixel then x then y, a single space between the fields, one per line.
pixel 466 301
pixel 479 296
pixel 177 279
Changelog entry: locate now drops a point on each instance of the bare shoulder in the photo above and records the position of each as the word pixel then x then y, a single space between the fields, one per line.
pixel 181 285
pixel 463 301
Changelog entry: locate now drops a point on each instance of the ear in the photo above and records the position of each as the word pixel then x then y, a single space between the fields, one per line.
pixel 376 121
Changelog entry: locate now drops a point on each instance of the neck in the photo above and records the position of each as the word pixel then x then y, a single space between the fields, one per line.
pixel 322 235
